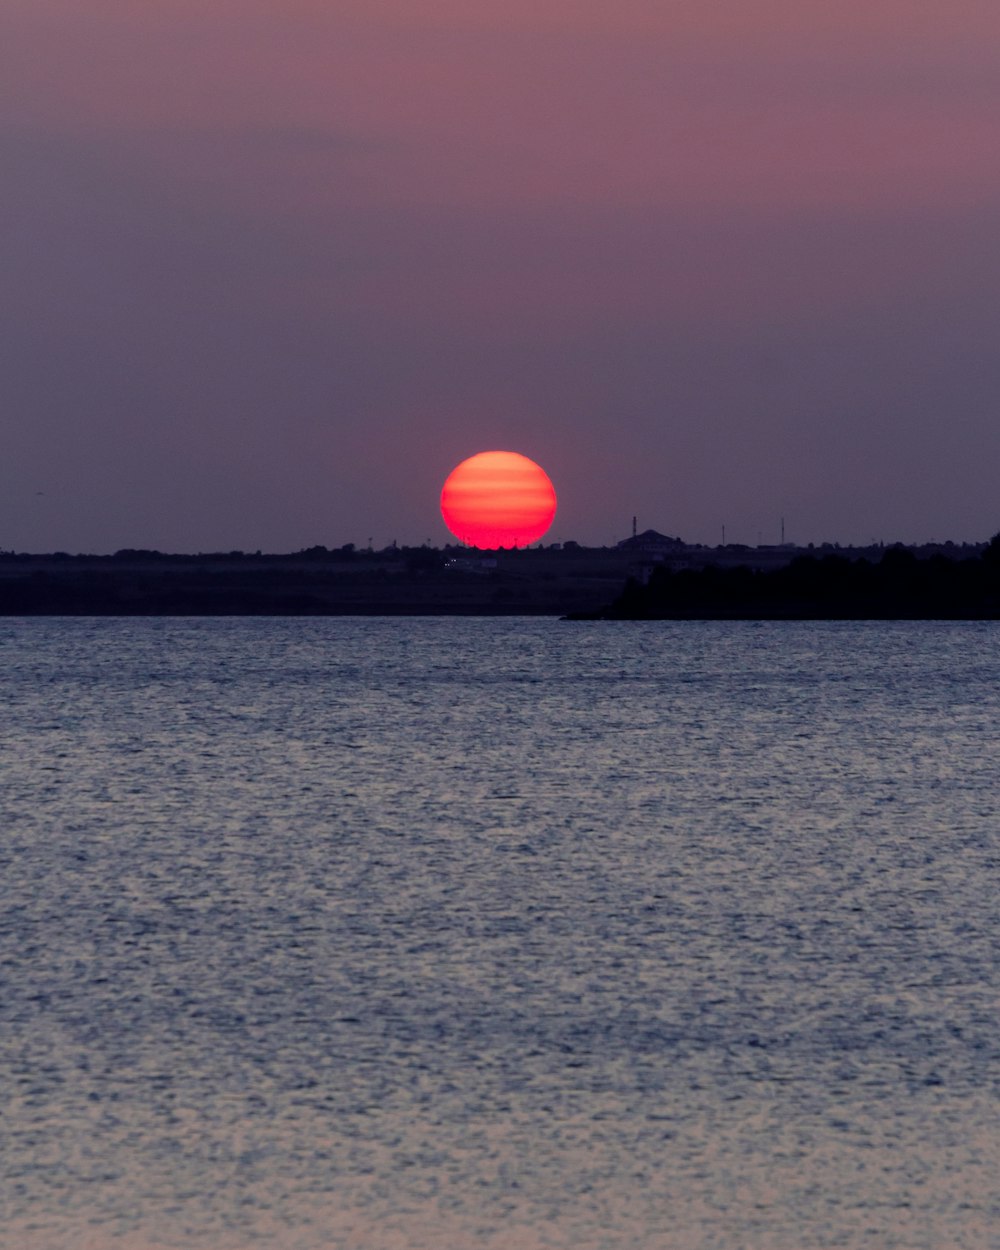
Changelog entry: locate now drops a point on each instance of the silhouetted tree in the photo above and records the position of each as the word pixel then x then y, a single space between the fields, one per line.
pixel 991 556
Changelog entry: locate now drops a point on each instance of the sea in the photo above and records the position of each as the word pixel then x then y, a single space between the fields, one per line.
pixel 499 934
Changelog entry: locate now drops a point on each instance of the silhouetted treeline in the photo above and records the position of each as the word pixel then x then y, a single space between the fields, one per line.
pixel 316 581
pixel 145 555
pixel 877 584
pixel 898 587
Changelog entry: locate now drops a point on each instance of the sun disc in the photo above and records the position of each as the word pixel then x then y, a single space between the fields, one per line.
pixel 498 499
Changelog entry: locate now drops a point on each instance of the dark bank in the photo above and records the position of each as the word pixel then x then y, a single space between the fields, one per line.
pixel 897 586
pixel 646 577
pixel 317 581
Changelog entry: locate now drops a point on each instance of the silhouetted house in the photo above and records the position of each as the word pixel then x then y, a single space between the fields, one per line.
pixel 650 548
pixel 651 545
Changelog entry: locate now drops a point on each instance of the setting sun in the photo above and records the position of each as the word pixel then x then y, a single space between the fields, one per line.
pixel 498 499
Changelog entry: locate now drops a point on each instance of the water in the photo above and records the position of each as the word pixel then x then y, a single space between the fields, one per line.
pixel 483 934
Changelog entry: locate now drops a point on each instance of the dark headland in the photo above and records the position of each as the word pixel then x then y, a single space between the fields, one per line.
pixel 646 577
pixel 897 585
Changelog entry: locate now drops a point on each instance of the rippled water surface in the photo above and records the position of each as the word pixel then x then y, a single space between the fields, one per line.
pixel 463 934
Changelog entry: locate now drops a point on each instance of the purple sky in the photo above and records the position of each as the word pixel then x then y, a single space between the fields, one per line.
pixel 271 268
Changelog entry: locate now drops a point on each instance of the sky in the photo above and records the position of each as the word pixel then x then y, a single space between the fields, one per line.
pixel 272 268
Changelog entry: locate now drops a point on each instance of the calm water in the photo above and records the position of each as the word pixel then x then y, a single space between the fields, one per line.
pixel 467 934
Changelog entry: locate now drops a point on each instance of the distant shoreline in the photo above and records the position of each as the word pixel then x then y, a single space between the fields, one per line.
pixel 627 582
pixel 396 582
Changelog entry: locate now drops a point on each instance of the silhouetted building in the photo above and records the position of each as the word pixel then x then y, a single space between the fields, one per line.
pixel 650 544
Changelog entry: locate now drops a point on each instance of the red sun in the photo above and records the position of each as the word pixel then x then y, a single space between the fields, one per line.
pixel 498 499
